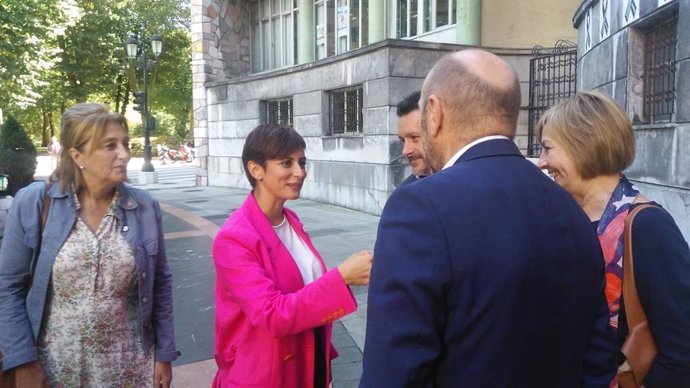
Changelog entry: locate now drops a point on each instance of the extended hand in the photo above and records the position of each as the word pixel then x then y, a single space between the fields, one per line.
pixel 357 269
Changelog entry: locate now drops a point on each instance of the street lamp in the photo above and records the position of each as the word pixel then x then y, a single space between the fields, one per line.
pixel 141 98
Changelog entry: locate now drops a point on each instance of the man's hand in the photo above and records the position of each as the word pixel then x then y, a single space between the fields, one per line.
pixel 162 374
pixel 30 375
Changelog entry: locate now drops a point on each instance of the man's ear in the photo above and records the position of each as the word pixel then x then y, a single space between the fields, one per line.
pixel 435 115
pixel 256 170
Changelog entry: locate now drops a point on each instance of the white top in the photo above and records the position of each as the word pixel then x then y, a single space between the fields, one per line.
pixel 467 147
pixel 305 259
pixel 5 203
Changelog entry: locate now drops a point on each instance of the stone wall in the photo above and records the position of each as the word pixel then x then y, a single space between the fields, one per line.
pixel 354 171
pixel 527 23
pixel 611 60
pixel 220 51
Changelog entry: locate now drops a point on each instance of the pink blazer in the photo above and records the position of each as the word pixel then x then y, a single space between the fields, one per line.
pixel 265 316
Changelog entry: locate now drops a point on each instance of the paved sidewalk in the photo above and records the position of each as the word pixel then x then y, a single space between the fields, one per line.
pixel 192 216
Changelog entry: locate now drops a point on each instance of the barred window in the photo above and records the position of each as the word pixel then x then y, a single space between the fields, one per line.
pixel 345 107
pixel 660 70
pixel 278 112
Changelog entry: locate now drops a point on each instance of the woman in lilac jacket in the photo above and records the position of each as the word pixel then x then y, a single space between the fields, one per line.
pixel 275 300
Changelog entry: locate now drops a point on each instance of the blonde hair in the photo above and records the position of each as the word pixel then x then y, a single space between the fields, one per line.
pixel 82 127
pixel 594 131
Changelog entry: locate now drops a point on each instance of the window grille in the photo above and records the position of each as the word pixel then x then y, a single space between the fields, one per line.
pixel 345 108
pixel 279 112
pixel 553 77
pixel 660 71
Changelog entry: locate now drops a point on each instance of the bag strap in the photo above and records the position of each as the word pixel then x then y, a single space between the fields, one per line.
pixel 42 220
pixel 46 206
pixel 631 299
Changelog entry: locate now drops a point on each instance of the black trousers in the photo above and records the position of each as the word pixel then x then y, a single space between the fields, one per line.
pixel 319 359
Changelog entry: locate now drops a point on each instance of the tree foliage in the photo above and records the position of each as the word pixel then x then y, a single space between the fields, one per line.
pixel 17 155
pixel 55 53
pixel 24 26
pixel 174 91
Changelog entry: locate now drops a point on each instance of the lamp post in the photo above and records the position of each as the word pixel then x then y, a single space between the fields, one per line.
pixel 141 98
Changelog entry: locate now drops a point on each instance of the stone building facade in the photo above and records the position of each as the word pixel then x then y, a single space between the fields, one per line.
pixel 335 69
pixel 357 170
pixel 638 52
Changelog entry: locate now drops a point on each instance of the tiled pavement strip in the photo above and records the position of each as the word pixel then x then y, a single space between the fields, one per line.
pixel 192 216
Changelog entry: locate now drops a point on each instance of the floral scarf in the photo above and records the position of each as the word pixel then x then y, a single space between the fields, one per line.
pixel 610 232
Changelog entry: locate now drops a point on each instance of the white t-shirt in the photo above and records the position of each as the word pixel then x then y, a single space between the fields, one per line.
pixel 305 259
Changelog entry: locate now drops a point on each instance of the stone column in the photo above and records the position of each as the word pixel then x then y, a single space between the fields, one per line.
pixel 468 27
pixel 220 51
pixel 376 21
pixel 305 32
pixel 202 72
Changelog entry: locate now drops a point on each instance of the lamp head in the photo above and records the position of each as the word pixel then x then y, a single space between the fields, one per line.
pixel 156 44
pixel 131 46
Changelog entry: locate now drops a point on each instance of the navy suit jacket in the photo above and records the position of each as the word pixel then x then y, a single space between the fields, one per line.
pixel 487 274
pixel 410 179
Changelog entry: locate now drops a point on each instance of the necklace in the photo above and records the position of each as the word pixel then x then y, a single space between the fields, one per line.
pixel 280 224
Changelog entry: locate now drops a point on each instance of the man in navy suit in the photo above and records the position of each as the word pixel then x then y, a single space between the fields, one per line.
pixel 410 134
pixel 486 273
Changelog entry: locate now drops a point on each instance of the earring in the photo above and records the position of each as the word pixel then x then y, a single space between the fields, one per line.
pixel 81 167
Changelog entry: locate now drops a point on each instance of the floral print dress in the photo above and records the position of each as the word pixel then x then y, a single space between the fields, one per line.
pixel 90 333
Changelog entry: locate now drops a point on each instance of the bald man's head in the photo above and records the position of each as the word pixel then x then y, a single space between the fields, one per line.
pixel 480 91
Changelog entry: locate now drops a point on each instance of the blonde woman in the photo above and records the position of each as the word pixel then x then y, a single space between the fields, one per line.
pixel 587 141
pixel 86 300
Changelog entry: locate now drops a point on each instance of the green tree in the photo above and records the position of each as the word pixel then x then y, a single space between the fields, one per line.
pixel 25 25
pixel 91 51
pixel 17 155
pixel 171 91
pixel 74 51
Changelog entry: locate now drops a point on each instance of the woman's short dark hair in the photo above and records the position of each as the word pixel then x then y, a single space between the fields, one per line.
pixel 269 141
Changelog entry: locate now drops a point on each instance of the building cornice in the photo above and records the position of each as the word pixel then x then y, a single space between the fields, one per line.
pixel 381 45
pixel 581 11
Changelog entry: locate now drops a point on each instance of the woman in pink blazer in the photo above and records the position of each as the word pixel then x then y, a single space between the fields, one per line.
pixel 275 299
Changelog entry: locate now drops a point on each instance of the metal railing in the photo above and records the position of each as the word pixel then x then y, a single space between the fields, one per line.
pixel 553 77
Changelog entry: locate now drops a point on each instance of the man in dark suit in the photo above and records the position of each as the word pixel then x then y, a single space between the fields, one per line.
pixel 410 134
pixel 486 273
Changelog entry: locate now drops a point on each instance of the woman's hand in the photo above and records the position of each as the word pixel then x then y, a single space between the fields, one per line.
pixel 162 374
pixel 30 375
pixel 357 269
